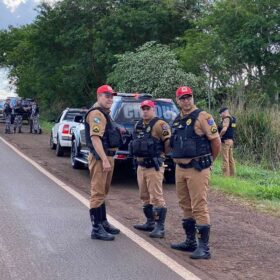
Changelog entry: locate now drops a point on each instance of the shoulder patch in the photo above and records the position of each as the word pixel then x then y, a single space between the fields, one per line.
pixel 97 120
pixel 164 126
pixel 211 121
pixel 165 133
pixel 96 129
pixel 214 129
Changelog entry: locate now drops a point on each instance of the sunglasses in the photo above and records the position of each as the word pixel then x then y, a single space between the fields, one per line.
pixel 185 97
pixel 146 108
pixel 108 95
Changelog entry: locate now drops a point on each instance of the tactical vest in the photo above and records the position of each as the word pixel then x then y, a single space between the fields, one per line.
pixel 143 143
pixel 19 111
pixel 7 109
pixel 185 143
pixel 230 130
pixel 111 138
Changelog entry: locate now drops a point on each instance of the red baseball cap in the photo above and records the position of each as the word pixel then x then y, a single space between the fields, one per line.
pixel 105 89
pixel 183 91
pixel 148 103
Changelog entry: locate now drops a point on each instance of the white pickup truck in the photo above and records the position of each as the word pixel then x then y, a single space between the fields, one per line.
pixel 60 138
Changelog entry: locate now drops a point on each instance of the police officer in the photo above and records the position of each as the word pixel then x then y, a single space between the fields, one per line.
pixel 195 144
pixel 35 118
pixel 8 115
pixel 150 142
pixel 19 111
pixel 227 129
pixel 103 138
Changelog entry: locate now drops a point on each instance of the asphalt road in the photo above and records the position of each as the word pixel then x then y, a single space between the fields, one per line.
pixel 45 233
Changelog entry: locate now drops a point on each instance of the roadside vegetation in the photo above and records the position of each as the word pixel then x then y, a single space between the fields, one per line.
pixel 259 186
pixel 46 125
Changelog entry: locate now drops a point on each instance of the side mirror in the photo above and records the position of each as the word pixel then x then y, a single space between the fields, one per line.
pixel 78 119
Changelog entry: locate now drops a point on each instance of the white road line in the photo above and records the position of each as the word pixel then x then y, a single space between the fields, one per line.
pixel 162 257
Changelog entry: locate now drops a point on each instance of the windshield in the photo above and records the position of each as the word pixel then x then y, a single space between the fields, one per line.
pixel 26 103
pixel 130 112
pixel 71 115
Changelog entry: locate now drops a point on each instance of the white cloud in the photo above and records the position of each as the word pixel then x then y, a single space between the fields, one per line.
pixel 5 88
pixel 13 4
pixel 4 94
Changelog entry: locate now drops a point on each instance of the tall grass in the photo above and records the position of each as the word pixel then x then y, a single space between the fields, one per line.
pixel 258 136
pixel 46 125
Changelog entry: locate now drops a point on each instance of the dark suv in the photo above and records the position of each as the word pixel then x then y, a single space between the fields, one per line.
pixel 126 112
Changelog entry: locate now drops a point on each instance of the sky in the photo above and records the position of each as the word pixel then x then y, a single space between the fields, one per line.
pixel 15 13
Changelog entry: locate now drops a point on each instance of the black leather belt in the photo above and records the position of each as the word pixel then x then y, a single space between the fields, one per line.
pixel 198 164
pixel 186 165
pixel 150 163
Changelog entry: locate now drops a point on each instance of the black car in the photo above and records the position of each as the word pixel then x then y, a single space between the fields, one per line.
pixel 125 111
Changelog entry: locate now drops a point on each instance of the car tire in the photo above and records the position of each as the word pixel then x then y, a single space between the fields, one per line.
pixel 169 177
pixel 59 151
pixel 52 145
pixel 75 153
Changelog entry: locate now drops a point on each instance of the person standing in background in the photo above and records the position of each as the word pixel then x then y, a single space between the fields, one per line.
pixel 227 131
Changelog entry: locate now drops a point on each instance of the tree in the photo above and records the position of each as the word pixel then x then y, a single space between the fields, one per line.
pixel 235 45
pixel 152 68
pixel 70 48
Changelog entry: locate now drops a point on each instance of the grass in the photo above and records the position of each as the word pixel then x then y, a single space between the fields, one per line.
pixel 46 126
pixel 259 187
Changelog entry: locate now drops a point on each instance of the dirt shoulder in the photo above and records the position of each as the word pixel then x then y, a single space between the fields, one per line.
pixel 245 243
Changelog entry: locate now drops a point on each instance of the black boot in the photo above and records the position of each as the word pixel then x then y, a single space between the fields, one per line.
pixel 150 223
pixel 159 214
pixel 202 251
pixel 98 231
pixel 107 226
pixel 190 244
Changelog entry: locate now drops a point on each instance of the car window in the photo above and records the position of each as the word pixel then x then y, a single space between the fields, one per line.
pixel 166 110
pixel 13 101
pixel 129 112
pixel 69 116
pixel 58 118
pixel 26 103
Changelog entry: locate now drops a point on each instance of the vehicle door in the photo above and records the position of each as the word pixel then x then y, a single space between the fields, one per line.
pixel 56 126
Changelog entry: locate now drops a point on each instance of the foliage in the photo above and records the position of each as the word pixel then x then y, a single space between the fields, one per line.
pixel 236 46
pixel 68 51
pixel 152 68
pixel 257 136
